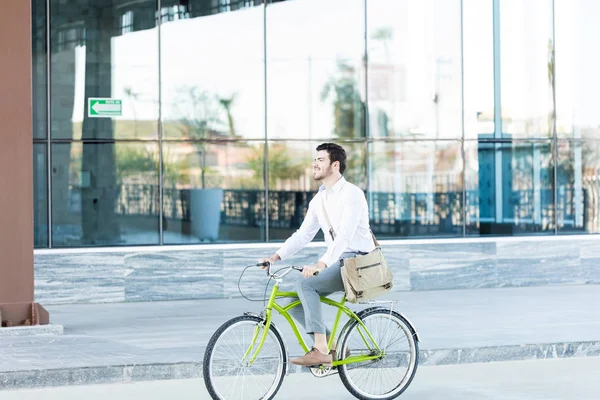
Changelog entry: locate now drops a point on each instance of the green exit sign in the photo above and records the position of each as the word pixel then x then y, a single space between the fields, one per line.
pixel 104 107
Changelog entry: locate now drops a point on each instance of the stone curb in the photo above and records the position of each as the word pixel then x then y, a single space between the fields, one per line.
pixel 187 370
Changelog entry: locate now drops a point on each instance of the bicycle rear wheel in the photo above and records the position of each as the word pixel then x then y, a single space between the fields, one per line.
pixel 228 370
pixel 389 375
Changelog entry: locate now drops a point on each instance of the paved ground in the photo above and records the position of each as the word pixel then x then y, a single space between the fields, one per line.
pixel 568 379
pixel 146 341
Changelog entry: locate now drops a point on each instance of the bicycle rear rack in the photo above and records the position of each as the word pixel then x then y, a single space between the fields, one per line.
pixel 379 302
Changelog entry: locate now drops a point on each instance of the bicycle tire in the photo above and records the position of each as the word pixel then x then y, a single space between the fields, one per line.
pixel 413 362
pixel 208 364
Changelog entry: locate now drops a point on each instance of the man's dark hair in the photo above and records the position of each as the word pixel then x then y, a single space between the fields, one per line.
pixel 336 153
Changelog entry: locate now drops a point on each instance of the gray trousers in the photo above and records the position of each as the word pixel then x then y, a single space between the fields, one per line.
pixel 310 314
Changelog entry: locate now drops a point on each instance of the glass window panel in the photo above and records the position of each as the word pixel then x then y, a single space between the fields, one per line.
pixel 414 50
pixel 315 69
pixel 509 187
pixel 105 194
pixel 212 74
pixel 415 188
pixel 578 186
pixel 526 45
pixel 39 64
pixel 478 59
pixel 213 192
pixel 104 49
pixel 291 183
pixel 40 196
pixel 577 66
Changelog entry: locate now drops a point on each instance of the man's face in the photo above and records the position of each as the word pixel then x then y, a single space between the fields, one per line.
pixel 322 166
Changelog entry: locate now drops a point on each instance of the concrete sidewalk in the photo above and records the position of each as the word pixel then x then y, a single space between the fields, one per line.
pixel 106 343
pixel 564 379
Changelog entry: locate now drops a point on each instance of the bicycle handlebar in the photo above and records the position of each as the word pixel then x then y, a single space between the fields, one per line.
pixel 290 268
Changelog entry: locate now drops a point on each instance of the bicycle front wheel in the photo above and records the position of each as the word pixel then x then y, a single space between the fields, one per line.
pixel 230 372
pixel 387 376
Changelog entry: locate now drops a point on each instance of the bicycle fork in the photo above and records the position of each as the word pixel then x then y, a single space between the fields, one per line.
pixel 265 324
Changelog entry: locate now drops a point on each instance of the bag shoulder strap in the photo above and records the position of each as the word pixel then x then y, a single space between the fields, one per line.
pixel 377 245
pixel 331 231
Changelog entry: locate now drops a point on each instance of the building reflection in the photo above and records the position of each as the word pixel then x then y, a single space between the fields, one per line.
pixel 449 132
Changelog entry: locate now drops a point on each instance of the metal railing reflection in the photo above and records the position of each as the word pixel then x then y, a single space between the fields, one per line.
pixel 391 213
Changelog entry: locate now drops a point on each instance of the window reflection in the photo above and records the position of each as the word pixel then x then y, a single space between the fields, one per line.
pixel 315 69
pixel 478 59
pixel 213 192
pixel 415 188
pixel 527 72
pixel 577 65
pixel 111 195
pixel 212 73
pixel 414 50
pixel 103 50
pixel 509 187
pixel 578 189
pixel 39 67
pixel 40 196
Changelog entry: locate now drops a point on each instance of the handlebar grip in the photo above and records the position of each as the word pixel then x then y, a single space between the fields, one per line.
pixel 316 273
pixel 264 264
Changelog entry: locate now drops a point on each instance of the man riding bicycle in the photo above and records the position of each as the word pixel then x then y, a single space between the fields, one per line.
pixel 346 208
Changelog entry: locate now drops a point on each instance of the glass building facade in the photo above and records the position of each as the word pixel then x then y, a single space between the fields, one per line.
pixel 460 117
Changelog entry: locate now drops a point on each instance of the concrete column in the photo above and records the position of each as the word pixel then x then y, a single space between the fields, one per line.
pixel 16 167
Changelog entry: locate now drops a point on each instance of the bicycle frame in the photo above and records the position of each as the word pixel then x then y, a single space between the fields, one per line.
pixel 284 311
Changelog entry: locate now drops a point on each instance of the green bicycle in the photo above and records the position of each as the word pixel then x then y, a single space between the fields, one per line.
pixel 377 354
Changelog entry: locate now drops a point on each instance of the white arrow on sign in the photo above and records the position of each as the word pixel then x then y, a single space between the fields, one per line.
pixel 106 107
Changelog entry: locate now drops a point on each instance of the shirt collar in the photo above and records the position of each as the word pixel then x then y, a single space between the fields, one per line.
pixel 337 187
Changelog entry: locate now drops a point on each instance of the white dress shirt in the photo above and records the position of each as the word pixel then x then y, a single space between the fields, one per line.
pixel 348 213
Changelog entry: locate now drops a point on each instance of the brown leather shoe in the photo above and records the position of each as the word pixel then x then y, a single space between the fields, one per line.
pixel 313 358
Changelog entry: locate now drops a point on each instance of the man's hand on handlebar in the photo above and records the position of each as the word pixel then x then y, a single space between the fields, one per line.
pixel 313 270
pixel 265 263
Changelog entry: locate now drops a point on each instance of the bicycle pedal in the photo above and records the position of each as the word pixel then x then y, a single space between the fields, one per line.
pixel 319 366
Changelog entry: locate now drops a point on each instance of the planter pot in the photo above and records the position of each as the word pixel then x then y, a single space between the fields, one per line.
pixel 205 213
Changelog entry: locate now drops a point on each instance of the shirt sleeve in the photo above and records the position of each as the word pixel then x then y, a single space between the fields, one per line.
pixel 304 235
pixel 344 233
